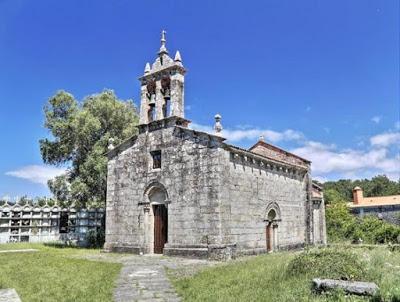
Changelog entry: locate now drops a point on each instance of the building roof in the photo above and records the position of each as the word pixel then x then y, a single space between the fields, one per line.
pixel 377 201
pixel 268 158
pixel 163 123
pixel 276 153
pixel 316 191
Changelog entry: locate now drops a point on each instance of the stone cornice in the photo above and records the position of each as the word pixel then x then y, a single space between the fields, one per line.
pixel 157 74
pixel 121 147
pixel 243 156
pixel 202 134
pixel 164 123
pixel 172 121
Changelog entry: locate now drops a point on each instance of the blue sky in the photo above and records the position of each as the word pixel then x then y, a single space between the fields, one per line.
pixel 319 78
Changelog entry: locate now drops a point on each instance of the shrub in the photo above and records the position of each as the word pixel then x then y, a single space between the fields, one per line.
pixel 342 225
pixel 373 230
pixel 95 238
pixel 394 247
pixel 328 264
pixel 61 244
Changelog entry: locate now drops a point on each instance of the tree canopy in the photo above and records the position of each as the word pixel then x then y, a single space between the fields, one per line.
pixel 79 138
pixel 342 190
pixel 342 225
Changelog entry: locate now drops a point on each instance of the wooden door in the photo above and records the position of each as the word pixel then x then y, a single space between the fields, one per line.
pixel 160 227
pixel 269 237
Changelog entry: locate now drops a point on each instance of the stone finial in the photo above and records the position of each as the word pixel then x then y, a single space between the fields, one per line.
pixel 111 144
pixel 147 68
pixel 261 138
pixel 178 57
pixel 163 49
pixel 218 126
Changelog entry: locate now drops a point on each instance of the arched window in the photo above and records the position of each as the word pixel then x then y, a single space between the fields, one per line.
pixel 273 212
pixel 157 196
pixel 272 218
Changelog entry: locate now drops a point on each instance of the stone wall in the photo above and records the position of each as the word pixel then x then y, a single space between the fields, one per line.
pixel 249 189
pixel 34 223
pixel 191 174
pixel 218 196
pixel 389 213
pixel 319 236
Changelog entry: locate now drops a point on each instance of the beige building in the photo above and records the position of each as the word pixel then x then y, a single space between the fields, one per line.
pixel 385 207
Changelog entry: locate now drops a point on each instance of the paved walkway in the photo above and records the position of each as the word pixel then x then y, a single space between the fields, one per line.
pixel 143 278
pixel 18 251
pixel 9 295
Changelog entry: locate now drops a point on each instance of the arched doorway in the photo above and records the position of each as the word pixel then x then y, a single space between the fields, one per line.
pixel 160 227
pixel 157 230
pixel 271 230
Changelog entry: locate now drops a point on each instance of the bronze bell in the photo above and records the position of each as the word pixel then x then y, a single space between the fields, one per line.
pixel 152 99
pixel 167 93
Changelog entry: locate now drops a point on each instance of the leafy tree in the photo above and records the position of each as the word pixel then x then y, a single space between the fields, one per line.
pixel 379 185
pixel 41 201
pixel 25 200
pixel 340 223
pixel 332 196
pixel 80 134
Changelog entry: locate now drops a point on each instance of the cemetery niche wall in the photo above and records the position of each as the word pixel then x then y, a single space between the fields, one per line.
pixel 27 223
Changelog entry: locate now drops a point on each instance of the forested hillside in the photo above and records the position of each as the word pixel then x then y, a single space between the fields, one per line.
pixel 377 186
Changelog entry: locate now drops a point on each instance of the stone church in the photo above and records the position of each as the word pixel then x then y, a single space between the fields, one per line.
pixel 176 191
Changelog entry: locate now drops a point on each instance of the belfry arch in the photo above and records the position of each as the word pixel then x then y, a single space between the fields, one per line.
pixel 156 217
pixel 272 219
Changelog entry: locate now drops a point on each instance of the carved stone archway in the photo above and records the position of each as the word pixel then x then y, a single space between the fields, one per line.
pixel 155 217
pixel 272 219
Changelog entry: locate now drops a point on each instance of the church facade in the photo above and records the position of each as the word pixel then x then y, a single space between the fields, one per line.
pixel 178 191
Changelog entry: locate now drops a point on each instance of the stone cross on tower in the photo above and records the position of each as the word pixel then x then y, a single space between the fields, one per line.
pixel 162 86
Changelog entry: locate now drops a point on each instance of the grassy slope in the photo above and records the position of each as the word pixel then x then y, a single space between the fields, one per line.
pixel 56 274
pixel 263 278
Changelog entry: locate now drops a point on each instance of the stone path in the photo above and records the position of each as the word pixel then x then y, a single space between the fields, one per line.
pixel 19 251
pixel 9 295
pixel 143 278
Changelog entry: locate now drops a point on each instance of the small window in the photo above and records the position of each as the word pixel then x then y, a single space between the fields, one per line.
pixel 63 223
pixel 152 113
pixel 166 108
pixel 156 159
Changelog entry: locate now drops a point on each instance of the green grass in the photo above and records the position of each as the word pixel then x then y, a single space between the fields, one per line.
pixel 56 274
pixel 265 278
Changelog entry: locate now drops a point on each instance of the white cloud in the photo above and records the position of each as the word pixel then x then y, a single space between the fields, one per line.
pixel 37 174
pixel 386 139
pixel 376 119
pixel 327 130
pixel 236 135
pixel 319 178
pixel 349 163
pixel 327 159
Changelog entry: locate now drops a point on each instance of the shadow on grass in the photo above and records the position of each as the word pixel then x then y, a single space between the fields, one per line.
pixel 63 245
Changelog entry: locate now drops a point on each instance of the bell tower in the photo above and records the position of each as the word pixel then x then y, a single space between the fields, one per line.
pixel 162 87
